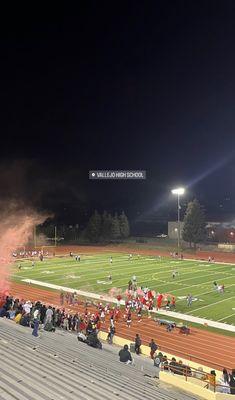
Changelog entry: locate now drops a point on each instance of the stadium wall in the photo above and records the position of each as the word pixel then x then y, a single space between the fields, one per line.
pixel 190 387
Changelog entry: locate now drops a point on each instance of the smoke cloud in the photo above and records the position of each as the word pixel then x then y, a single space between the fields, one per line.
pixel 16 228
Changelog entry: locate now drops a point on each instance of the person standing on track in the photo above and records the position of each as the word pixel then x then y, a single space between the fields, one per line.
pixel 139 314
pixel 128 320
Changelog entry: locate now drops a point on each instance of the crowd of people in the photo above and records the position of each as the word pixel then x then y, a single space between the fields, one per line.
pixel 38 316
pixel 30 253
pixel 87 325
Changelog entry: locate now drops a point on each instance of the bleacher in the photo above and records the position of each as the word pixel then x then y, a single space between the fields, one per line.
pixel 56 366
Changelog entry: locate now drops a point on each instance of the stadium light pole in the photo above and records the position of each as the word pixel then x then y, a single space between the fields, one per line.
pixel 179 192
pixel 55 235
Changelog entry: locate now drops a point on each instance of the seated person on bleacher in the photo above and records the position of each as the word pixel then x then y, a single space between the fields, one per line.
pixel 125 355
pixel 172 365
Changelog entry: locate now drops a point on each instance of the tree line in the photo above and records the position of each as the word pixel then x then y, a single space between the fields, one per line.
pixel 105 227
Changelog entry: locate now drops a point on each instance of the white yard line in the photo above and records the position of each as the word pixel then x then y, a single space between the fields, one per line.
pixel 210 305
pixel 228 316
pixel 202 294
pixel 197 277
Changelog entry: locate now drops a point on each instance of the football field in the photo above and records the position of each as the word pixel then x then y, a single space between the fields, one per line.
pixel 92 275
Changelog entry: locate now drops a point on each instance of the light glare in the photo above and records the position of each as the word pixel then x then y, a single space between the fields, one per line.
pixel 178 191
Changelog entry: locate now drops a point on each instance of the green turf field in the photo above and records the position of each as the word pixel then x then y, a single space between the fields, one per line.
pixel 194 277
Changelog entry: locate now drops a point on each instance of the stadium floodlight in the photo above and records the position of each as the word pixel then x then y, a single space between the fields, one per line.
pixel 179 192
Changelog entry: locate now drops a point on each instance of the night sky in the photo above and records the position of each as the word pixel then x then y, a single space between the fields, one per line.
pixel 119 85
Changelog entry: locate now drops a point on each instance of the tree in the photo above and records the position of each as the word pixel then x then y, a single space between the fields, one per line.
pixel 106 225
pixel 115 229
pixel 194 223
pixel 124 226
pixel 93 230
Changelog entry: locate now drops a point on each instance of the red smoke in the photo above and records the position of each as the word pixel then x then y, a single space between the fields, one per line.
pixel 16 227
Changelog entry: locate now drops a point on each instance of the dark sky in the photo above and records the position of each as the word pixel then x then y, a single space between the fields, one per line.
pixel 119 85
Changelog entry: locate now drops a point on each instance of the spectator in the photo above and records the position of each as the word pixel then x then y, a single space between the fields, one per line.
pixel 137 344
pixel 25 320
pixel 27 307
pixel 232 382
pixel 225 376
pixel 49 314
pixel 18 317
pixel 111 334
pixel 186 370
pixel 158 359
pixel 93 341
pixel 223 383
pixel 199 374
pixel 164 363
pixel 211 378
pixel 82 326
pixel 125 355
pixel 153 348
pixel 82 337
pixel 11 313
pixel 36 319
pixel 49 327
pixel 173 365
pixel 43 310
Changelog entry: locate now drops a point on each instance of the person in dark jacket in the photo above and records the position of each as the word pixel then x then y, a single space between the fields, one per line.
pixel 25 320
pixel 173 365
pixel 93 341
pixel 125 355
pixel 225 376
pixel 137 344
pixel 153 348
pixel 111 334
pixel 232 382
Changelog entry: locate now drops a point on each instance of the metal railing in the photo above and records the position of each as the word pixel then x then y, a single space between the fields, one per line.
pixel 207 380
pixel 191 357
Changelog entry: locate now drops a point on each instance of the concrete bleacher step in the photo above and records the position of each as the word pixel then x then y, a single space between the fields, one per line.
pixel 77 360
pixel 57 376
pixel 10 360
pixel 57 366
pixel 41 374
pixel 93 352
